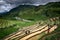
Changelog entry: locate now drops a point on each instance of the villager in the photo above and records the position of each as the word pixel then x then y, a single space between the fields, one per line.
pixel 49 28
pixel 27 32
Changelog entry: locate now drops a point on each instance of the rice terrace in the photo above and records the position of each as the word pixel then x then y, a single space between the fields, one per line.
pixel 29 20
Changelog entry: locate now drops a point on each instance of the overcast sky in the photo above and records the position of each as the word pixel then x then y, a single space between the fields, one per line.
pixel 7 5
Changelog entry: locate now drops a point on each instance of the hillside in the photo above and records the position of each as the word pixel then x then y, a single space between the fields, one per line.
pixel 24 11
pixel 15 19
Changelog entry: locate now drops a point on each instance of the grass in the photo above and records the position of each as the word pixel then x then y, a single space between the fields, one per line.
pixel 42 13
pixel 13 28
pixel 6 31
pixel 6 23
pixel 42 34
pixel 53 36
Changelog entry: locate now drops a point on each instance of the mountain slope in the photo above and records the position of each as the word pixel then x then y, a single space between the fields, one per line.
pixel 40 13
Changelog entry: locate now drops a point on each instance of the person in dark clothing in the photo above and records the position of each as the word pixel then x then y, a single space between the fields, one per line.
pixel 49 28
pixel 27 32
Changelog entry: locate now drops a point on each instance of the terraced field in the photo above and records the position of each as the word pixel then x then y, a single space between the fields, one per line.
pixel 54 35
pixel 11 26
pixel 27 28
pixel 25 16
pixel 23 36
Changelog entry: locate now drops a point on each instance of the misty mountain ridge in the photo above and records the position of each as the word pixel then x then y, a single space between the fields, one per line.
pixel 7 5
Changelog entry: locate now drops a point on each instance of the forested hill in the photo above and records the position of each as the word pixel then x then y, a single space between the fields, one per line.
pixel 24 11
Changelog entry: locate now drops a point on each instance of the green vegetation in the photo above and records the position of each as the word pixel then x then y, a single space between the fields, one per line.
pixel 9 24
pixel 53 36
pixel 13 28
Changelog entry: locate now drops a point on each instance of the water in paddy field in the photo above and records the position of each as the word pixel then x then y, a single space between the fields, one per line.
pixel 7 5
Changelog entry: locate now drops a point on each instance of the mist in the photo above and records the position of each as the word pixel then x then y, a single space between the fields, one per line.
pixel 7 5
